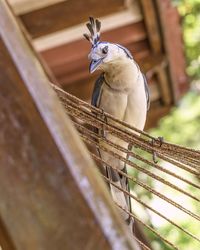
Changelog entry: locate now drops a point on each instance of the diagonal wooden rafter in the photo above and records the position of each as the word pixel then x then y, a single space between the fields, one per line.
pixel 54 183
pixel 156 44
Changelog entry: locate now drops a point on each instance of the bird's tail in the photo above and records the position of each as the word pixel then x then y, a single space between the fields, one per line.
pixel 94 26
pixel 121 198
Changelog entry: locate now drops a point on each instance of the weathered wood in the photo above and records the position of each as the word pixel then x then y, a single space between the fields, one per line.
pixel 152 25
pixel 40 59
pixel 170 22
pixel 74 33
pixel 156 112
pixel 65 14
pixel 156 44
pixel 165 89
pixel 51 194
pixel 5 241
pixel 25 6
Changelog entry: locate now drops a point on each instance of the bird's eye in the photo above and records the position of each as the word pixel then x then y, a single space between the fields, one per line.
pixel 105 50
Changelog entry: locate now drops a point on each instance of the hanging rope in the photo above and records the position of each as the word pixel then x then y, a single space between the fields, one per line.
pixel 87 119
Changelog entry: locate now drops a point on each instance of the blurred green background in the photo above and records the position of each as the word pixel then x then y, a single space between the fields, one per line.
pixel 181 126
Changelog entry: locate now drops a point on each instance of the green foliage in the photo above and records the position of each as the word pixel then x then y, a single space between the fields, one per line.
pixel 182 126
pixel 190 12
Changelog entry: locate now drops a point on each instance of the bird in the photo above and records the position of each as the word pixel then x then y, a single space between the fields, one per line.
pixel 122 91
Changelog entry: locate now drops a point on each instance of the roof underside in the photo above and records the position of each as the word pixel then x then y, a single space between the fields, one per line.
pixel 146 28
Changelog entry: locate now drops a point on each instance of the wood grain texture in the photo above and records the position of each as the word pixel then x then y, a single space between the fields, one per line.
pixel 152 25
pixel 65 14
pixel 51 194
pixel 156 112
pixel 43 201
pixel 156 43
pixel 6 242
pixel 171 28
pixel 79 49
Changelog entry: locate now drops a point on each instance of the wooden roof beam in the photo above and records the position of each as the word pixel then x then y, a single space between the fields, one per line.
pixel 66 14
pixel 54 183
pixel 24 6
pixel 109 22
pixel 156 44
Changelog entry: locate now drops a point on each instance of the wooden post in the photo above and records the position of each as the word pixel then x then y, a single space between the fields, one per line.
pixel 156 44
pixel 52 196
pixel 172 37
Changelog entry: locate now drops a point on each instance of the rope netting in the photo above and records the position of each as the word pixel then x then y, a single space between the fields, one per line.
pixel 169 165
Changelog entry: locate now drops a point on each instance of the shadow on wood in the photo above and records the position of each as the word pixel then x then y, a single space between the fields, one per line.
pixel 51 194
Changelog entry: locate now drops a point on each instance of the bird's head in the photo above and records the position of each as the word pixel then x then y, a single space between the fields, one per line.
pixel 103 54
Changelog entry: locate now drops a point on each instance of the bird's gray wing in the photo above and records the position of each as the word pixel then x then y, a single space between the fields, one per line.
pixel 146 91
pixel 97 91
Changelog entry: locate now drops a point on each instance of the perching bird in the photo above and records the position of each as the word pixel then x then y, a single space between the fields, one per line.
pixel 122 91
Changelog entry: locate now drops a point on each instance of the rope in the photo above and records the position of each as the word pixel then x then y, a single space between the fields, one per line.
pixel 183 158
pixel 133 138
pixel 192 153
pixel 143 170
pixel 150 208
pixel 136 156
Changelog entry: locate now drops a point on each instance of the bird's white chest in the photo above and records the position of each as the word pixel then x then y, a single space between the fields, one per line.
pixel 128 104
pixel 113 102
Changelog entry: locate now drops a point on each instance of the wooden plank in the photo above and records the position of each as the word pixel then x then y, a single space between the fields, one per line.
pixel 156 44
pixel 80 48
pixel 165 88
pixel 170 21
pixel 40 59
pixel 25 6
pixel 38 203
pixel 68 35
pixel 5 241
pixel 65 14
pixel 152 25
pixel 57 198
pixel 156 112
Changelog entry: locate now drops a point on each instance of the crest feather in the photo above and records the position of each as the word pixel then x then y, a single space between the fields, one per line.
pixel 94 26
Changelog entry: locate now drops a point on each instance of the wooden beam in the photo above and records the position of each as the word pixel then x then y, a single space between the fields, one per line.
pixel 40 59
pixel 66 14
pixel 25 6
pixel 74 33
pixel 66 53
pixel 43 200
pixel 152 25
pixel 50 189
pixel 172 36
pixel 156 112
pixel 6 242
pixel 156 44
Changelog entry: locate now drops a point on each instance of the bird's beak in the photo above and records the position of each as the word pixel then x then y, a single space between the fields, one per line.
pixel 94 65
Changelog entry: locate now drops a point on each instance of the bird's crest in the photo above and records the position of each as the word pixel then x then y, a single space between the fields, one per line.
pixel 94 26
